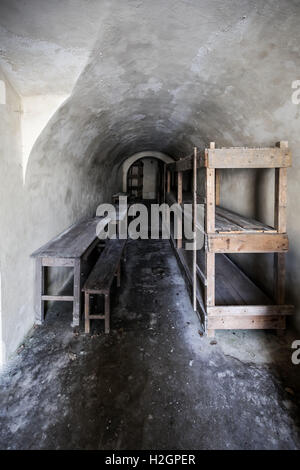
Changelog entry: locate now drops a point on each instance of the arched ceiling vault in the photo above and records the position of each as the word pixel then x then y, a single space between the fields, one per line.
pixel 153 75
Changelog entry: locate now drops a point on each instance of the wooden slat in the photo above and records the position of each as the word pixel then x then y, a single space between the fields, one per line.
pixel 56 262
pixel 179 201
pixel 249 158
pixel 243 223
pixel 186 163
pixel 218 181
pixel 194 228
pixel 62 298
pixel 102 275
pixel 168 181
pixel 247 322
pixel 252 310
pixel 247 243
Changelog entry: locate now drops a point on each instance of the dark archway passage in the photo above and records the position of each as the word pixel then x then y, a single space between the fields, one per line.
pixel 154 382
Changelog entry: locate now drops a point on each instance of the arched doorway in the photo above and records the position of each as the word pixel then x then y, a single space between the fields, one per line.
pixel 145 179
pixel 152 155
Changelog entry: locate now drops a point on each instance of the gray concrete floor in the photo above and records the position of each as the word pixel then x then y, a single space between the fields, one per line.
pixel 154 382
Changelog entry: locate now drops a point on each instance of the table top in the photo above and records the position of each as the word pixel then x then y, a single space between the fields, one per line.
pixel 73 242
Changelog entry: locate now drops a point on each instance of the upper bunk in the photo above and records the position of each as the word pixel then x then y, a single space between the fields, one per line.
pixel 236 157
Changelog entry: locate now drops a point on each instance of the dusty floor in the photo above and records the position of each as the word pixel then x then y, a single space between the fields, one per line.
pixel 154 382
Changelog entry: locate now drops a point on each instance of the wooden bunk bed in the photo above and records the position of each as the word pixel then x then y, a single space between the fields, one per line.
pixel 223 294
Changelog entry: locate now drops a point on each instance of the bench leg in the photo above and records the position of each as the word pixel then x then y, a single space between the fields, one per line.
pixel 39 291
pixel 107 313
pixel 210 333
pixel 87 311
pixel 77 293
pixel 119 275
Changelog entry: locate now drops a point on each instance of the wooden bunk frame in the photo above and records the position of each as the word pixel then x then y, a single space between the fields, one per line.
pixel 238 303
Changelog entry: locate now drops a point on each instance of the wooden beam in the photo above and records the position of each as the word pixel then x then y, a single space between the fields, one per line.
pixel 252 310
pixel 63 262
pixel 249 158
pixel 247 243
pixel 168 181
pixel 247 322
pixel 179 201
pixel 217 184
pixel 63 298
pixel 194 229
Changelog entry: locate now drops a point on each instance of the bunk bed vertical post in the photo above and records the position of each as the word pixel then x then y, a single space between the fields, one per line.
pixel 217 187
pixel 168 181
pixel 164 183
pixel 280 226
pixel 194 229
pixel 210 228
pixel 179 202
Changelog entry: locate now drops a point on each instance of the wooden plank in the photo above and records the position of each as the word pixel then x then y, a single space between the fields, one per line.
pixel 247 322
pixel 186 163
pixel 252 310
pixel 107 313
pixel 280 195
pixel 210 200
pixel 87 312
pixel 64 298
pixel 194 229
pixel 71 243
pixel 76 293
pixel 217 185
pixel 280 199
pixel 102 275
pixel 243 223
pixel 247 243
pixel 39 291
pixel 168 181
pixel 279 277
pixel 210 279
pixel 179 201
pixel 249 158
pixel 56 262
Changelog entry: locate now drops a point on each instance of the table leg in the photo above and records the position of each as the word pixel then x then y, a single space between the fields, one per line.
pixel 39 291
pixel 107 313
pixel 87 312
pixel 77 293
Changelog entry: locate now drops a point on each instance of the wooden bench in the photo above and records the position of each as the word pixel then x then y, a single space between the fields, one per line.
pixel 101 278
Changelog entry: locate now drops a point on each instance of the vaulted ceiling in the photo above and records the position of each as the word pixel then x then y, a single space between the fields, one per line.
pixel 163 75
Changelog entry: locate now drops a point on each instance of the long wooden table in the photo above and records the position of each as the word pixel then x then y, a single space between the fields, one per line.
pixel 65 250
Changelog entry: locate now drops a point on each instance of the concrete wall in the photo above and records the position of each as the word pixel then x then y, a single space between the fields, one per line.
pixel 157 76
pixel 58 191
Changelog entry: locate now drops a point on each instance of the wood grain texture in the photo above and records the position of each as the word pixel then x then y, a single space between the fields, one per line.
pixel 247 242
pixel 102 275
pixel 237 157
pixel 72 243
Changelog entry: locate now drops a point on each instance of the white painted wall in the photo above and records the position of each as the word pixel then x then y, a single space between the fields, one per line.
pixel 37 111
